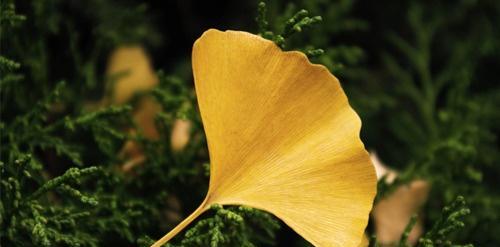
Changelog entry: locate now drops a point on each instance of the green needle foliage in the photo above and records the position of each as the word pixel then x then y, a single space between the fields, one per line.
pixel 421 75
pixel 449 221
pixel 238 226
pixel 280 21
pixel 27 218
pixel 437 111
pixel 295 24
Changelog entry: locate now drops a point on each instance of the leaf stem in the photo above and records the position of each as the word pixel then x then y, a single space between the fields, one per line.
pixel 202 208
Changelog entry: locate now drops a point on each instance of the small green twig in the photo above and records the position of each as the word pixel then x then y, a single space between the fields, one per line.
pixel 293 25
pixel 311 53
pixel 449 221
pixel 373 241
pixel 403 242
pixel 70 174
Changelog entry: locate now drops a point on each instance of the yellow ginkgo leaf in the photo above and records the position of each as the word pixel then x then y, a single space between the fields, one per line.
pixel 282 138
pixel 365 242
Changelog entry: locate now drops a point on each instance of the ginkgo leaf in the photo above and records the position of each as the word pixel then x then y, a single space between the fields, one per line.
pixel 282 138
pixel 365 242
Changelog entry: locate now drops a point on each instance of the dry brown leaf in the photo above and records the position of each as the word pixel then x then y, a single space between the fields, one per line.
pixel 282 138
pixel 180 134
pixel 144 117
pixel 382 170
pixel 134 73
pixel 393 213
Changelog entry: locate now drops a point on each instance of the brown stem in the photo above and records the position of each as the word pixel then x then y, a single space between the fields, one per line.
pixel 202 208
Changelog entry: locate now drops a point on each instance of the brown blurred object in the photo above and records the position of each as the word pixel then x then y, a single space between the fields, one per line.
pixel 133 155
pixel 173 211
pixel 129 71
pixel 392 213
pixel 144 117
pixel 382 170
pixel 180 134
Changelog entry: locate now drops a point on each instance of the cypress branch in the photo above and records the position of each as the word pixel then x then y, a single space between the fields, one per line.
pixel 71 175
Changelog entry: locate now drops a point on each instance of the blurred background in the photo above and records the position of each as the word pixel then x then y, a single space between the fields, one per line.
pixel 106 87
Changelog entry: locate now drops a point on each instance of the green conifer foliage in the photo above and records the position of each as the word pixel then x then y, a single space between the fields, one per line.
pixel 421 74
